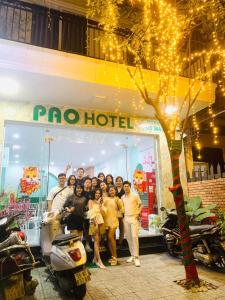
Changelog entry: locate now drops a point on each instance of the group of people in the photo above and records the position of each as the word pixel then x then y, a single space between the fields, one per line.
pixel 97 206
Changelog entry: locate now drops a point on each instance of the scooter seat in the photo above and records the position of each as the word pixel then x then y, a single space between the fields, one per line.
pixel 200 228
pixel 65 238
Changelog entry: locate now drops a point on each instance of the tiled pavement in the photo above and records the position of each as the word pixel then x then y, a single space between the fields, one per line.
pixel 153 280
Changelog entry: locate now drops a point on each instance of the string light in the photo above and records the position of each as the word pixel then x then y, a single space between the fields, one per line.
pixel 157 38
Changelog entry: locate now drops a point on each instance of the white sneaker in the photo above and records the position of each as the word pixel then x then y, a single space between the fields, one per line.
pixel 137 262
pixel 130 260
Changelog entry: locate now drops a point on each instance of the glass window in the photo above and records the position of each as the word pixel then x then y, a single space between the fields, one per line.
pixel 34 155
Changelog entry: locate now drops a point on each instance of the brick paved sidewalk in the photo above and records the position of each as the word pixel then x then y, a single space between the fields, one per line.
pixel 153 280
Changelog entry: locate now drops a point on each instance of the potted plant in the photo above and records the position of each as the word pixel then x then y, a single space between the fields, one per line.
pixel 195 212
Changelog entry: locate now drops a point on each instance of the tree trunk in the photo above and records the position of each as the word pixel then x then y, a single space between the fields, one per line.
pixel 177 191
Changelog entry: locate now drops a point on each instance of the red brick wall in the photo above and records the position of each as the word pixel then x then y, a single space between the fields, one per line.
pixel 210 191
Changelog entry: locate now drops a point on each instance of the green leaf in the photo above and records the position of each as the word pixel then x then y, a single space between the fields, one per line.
pixel 194 203
pixel 204 216
pixel 211 206
pixel 201 211
pixel 189 213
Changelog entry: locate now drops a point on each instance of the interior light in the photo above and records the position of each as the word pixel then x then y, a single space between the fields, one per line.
pixel 171 109
pixel 8 86
pixel 117 143
pixel 83 164
pixel 103 152
pixel 16 147
pixel 16 156
pixel 16 161
pixel 52 163
pixel 16 136
pixel 91 159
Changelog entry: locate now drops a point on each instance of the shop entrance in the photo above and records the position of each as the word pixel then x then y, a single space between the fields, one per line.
pixel 35 154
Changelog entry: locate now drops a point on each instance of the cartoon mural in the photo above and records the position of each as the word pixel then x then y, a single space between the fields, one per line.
pixel 30 182
pixel 139 179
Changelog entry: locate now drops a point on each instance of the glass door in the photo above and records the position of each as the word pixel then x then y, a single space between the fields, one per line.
pixel 24 181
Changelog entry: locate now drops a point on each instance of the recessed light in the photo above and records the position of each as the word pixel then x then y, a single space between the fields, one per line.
pixel 16 136
pixel 52 163
pixel 91 159
pixel 117 143
pixel 16 147
pixel 8 86
pixel 103 152
pixel 16 156
pixel 171 109
pixel 16 162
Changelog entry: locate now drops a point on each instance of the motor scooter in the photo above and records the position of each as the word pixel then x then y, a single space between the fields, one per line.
pixel 16 261
pixel 65 257
pixel 208 245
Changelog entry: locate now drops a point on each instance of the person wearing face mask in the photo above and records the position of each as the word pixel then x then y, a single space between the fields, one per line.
pixel 75 205
pixel 114 206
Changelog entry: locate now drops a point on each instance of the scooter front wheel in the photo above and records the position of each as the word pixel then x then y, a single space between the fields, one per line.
pixel 80 292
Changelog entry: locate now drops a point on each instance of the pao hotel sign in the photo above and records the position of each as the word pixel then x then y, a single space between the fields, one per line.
pixel 72 117
pixel 78 117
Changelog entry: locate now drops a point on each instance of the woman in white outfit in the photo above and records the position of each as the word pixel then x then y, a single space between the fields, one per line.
pixel 95 214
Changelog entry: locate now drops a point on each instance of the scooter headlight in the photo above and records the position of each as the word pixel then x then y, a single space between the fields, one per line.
pixel 75 254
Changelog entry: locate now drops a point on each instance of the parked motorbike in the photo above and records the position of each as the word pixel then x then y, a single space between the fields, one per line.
pixel 208 245
pixel 16 261
pixel 67 257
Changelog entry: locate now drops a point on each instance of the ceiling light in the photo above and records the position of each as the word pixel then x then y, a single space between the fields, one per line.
pixel 16 156
pixel 16 147
pixel 83 164
pixel 16 136
pixel 91 159
pixel 8 86
pixel 117 143
pixel 52 163
pixel 171 109
pixel 103 152
pixel 16 162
